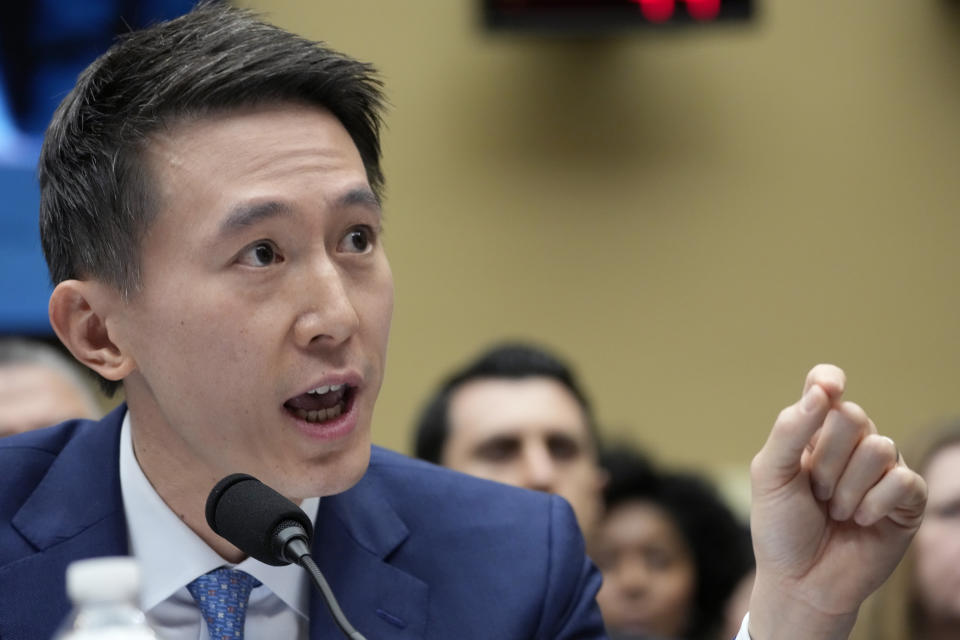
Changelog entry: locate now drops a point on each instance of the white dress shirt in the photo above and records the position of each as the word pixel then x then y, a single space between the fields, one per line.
pixel 743 634
pixel 171 556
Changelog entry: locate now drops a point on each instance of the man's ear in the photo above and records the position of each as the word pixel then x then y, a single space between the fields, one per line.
pixel 80 313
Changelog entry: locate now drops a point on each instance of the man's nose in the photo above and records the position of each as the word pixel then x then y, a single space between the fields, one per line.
pixel 540 469
pixel 633 576
pixel 328 314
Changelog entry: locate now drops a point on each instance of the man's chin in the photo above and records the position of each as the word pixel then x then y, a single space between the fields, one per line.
pixel 333 474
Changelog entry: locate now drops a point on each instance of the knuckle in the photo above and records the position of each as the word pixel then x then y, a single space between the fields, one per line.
pixel 758 468
pixel 785 416
pixel 842 497
pixel 914 485
pixel 855 413
pixel 756 465
pixel 880 448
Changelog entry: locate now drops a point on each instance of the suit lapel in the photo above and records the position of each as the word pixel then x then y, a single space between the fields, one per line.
pixel 355 534
pixel 75 512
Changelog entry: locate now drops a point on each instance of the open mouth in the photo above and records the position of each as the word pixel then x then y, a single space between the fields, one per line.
pixel 322 404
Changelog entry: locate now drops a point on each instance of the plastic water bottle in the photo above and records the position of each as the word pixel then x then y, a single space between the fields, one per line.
pixel 105 594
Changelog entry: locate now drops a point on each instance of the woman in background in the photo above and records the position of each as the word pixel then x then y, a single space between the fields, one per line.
pixel 921 600
pixel 670 551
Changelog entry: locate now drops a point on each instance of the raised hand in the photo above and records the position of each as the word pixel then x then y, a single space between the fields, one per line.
pixel 834 508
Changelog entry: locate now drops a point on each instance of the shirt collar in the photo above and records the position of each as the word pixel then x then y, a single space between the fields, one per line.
pixel 156 533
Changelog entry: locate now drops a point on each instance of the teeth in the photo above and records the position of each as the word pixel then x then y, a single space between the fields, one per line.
pixel 320 415
pixel 319 391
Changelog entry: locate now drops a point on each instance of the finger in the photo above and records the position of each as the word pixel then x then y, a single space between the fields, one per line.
pixel 779 459
pixel 829 377
pixel 843 429
pixel 900 495
pixel 874 456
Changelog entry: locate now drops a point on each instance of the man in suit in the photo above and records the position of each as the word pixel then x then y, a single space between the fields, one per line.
pixel 517 414
pixel 210 212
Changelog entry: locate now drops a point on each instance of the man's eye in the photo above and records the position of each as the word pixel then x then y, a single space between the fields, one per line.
pixel 498 450
pixel 659 559
pixel 261 254
pixel 563 448
pixel 358 240
pixel 948 511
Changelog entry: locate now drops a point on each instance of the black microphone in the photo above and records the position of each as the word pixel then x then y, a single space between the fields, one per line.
pixel 263 524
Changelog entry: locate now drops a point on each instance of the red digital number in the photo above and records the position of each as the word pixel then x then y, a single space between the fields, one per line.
pixel 662 10
pixel 703 9
pixel 656 10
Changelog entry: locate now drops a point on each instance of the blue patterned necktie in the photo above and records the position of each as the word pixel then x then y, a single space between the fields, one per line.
pixel 222 596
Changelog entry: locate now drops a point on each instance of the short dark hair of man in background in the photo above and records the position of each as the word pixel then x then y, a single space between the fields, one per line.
pixel 41 386
pixel 517 414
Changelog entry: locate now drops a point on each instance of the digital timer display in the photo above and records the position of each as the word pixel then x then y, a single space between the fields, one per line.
pixel 604 15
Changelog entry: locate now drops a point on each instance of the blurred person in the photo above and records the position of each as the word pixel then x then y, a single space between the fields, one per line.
pixel 517 414
pixel 39 387
pixel 670 550
pixel 922 598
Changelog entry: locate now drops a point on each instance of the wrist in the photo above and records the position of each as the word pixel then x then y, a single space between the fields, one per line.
pixel 777 614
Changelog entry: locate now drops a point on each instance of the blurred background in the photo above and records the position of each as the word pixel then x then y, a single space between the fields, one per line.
pixel 693 214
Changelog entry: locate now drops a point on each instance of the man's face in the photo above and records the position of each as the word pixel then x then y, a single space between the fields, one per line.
pixel 36 395
pixel 528 432
pixel 260 332
pixel 937 544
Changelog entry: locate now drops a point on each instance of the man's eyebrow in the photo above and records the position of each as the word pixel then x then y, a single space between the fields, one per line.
pixel 247 214
pixel 362 196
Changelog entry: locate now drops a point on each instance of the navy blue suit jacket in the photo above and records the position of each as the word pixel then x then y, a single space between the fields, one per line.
pixel 412 551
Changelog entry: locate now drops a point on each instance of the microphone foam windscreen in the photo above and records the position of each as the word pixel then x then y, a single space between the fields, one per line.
pixel 247 513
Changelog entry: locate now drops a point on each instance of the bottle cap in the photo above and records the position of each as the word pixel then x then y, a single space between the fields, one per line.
pixel 103 579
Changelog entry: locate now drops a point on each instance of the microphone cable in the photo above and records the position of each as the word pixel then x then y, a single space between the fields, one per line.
pixel 266 526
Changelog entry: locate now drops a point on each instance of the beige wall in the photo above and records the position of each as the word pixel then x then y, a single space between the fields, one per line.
pixel 694 218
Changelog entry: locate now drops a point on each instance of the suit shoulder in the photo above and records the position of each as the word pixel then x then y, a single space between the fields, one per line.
pixel 522 550
pixel 35 449
pixel 49 439
pixel 427 479
pixel 27 457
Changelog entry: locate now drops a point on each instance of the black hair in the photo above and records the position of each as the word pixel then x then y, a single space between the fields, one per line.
pixel 718 541
pixel 96 197
pixel 509 360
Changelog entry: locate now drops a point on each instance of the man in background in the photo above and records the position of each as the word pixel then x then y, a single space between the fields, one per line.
pixel 39 387
pixel 517 414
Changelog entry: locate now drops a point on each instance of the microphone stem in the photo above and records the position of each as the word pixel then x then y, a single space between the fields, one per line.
pixel 307 563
